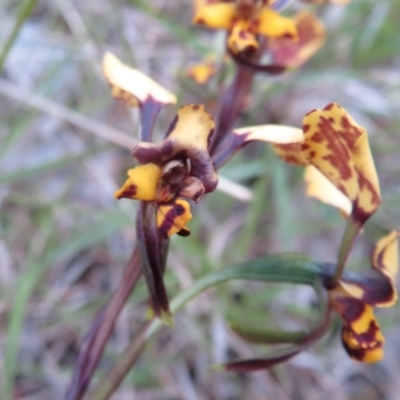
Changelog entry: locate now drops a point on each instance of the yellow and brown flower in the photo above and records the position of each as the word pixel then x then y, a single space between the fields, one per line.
pixel 175 169
pixel 293 53
pixel 354 298
pixel 244 20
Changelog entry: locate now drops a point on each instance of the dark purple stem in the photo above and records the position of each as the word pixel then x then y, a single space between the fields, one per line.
pixel 95 341
pixel 230 104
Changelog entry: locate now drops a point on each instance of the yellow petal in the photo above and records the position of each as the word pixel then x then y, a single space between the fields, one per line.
pixel 242 38
pixel 192 127
pixel 311 36
pixel 216 16
pixel 385 256
pixel 142 183
pixel 131 86
pixel 173 217
pixel 273 25
pixel 385 259
pixel 285 140
pixel 321 188
pixel 369 197
pixel 370 351
pixel 277 134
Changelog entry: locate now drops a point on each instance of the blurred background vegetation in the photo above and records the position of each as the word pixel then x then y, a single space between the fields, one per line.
pixel 64 150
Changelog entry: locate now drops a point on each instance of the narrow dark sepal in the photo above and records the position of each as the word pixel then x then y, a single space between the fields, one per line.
pixel 152 250
pixel 149 111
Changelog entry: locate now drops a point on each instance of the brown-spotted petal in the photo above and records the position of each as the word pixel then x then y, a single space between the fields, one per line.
pixel 336 145
pixel 282 138
pixel 311 36
pixel 131 86
pixel 273 25
pixel 216 16
pixel 142 183
pixel 187 139
pixel 322 189
pixel 242 38
pixel 173 217
pixel 361 335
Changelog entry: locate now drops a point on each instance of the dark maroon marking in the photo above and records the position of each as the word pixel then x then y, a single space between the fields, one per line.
pixel 340 154
pixel 331 120
pixel 195 107
pixel 129 193
pixel 375 291
pixel 310 112
pixel 291 160
pixel 210 134
pixel 306 127
pixel 290 146
pixel 350 309
pixel 183 232
pixel 329 106
pixel 172 126
pixel 169 218
pixel 369 336
pixel 359 214
pixel 359 353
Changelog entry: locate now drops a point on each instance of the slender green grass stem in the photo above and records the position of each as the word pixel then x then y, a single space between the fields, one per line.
pixel 278 269
pixel 24 13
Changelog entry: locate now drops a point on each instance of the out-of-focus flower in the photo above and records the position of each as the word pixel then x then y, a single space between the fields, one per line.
pixel 326 1
pixel 354 298
pixel 244 20
pixel 311 36
pixel 201 73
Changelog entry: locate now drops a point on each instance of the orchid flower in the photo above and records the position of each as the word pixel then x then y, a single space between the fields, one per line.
pixel 352 299
pixel 174 172
pixel 245 20
pixel 289 41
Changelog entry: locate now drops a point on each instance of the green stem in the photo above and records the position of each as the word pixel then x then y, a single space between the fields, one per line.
pixel 351 232
pixel 24 12
pixel 283 268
